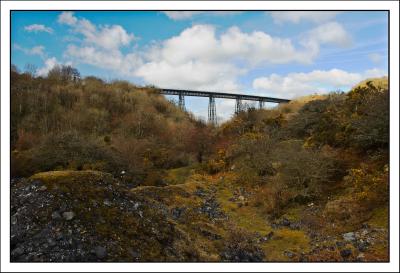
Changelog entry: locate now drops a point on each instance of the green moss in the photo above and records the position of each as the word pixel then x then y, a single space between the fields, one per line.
pixel 283 240
pixel 58 176
pixel 379 218
pixel 178 175
pixel 294 213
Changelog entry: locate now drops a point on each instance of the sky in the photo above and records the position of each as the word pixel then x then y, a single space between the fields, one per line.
pixel 284 54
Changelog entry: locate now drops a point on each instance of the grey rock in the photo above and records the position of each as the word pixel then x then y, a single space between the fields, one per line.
pixel 295 225
pixel 340 244
pixel 56 215
pixel 68 215
pixel 345 253
pixel 365 225
pixel 285 222
pixel 18 251
pixel 42 188
pixel 362 246
pixel 289 254
pixel 51 242
pixel 200 192
pixel 349 236
pixel 267 237
pixel 177 213
pixel 135 254
pixel 101 252
pixel 14 219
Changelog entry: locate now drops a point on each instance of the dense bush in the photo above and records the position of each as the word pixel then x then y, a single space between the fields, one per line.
pixel 63 121
pixel 302 151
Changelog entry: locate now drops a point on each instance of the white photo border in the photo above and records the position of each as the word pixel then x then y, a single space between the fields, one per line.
pixel 392 6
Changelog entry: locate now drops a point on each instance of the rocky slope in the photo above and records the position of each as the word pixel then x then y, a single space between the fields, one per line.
pixel 73 216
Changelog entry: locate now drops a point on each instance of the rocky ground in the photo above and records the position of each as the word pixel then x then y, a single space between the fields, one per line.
pixel 73 216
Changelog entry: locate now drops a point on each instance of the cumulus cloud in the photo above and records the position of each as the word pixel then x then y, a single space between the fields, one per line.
pixel 317 81
pixel 36 50
pixel 198 57
pixel 68 18
pixel 38 28
pixel 108 37
pixel 296 17
pixel 49 64
pixel 329 33
pixel 107 59
pixel 183 15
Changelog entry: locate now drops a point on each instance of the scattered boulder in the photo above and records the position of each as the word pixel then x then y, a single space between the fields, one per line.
pixel 289 254
pixel 242 255
pixel 345 253
pixel 18 252
pixel 177 213
pixel 101 252
pixel 362 246
pixel 267 237
pixel 340 244
pixel 56 215
pixel 349 236
pixel 200 192
pixel 68 215
pixel 134 254
pixel 285 222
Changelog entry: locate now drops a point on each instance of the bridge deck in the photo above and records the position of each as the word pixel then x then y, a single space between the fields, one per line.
pixel 220 95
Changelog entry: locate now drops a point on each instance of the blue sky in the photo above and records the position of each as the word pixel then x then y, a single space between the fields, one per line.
pixel 282 54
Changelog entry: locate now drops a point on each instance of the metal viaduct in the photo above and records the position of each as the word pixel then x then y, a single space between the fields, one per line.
pixel 212 111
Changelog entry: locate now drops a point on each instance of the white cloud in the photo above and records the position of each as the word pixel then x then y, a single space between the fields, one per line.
pixel 317 81
pixel 107 59
pixel 375 57
pixel 193 74
pixel 38 28
pixel 67 18
pixel 183 15
pixel 258 47
pixel 48 65
pixel 197 58
pixel 108 37
pixel 331 33
pixel 296 17
pixel 36 50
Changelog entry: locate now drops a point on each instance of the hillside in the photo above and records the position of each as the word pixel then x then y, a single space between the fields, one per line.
pixel 115 172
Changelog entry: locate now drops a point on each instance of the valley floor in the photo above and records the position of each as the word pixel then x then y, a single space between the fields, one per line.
pixel 78 216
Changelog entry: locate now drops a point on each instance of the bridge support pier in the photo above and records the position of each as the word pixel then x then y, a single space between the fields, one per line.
pixel 238 106
pixel 260 104
pixel 212 111
pixel 182 102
